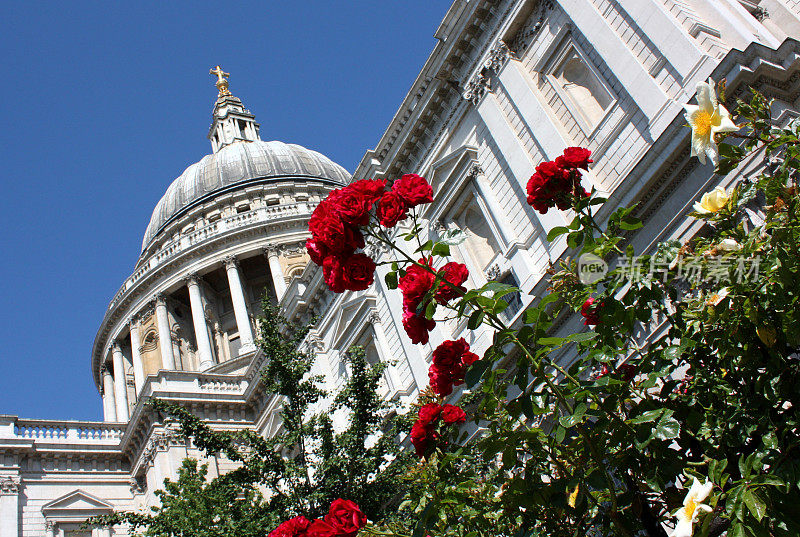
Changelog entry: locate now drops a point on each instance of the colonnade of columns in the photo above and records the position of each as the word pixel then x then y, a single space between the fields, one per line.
pixel 115 392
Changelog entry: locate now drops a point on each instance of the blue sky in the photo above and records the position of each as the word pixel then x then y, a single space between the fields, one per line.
pixel 105 103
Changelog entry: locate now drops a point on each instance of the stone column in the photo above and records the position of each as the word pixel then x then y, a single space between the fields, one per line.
pixel 476 173
pixel 275 269
pixel 239 305
pixel 9 505
pixel 206 357
pixel 136 357
pixel 109 410
pixel 120 387
pixel 164 335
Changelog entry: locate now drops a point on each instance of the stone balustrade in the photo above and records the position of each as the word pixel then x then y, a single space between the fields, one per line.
pixel 172 248
pixel 60 431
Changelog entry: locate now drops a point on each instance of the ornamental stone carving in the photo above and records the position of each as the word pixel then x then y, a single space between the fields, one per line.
pixel 498 56
pixel 493 273
pixel 9 485
pixel 475 171
pixel 230 261
pixel 477 88
pixel 374 318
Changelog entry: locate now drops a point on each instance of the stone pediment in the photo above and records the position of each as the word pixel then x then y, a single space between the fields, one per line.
pixel 76 501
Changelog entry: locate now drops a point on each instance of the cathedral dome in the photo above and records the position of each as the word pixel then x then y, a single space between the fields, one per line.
pixel 236 165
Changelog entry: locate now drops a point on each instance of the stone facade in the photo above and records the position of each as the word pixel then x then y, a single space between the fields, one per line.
pixel 509 83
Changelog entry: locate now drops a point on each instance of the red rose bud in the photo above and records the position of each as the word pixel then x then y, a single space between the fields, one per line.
pixel 591 311
pixel 391 209
pixel 413 189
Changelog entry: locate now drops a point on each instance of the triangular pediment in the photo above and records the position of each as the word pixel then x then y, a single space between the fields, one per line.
pixel 76 500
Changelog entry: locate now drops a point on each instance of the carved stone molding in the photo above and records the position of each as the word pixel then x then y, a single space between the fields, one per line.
pixel 135 485
pixel 498 56
pixel 271 250
pixel 191 279
pixel 525 35
pixel 374 318
pixel 477 88
pixel 475 171
pixel 161 441
pixel 315 343
pixel 230 261
pixel 9 485
pixel 493 273
pixel 161 299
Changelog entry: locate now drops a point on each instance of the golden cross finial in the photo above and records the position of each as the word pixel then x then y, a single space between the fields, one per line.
pixel 222 82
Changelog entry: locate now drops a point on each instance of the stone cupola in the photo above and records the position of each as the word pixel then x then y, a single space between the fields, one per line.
pixel 232 122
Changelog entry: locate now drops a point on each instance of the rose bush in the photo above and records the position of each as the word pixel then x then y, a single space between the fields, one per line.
pixel 677 380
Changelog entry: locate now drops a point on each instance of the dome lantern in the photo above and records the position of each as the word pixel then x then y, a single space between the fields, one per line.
pixel 232 122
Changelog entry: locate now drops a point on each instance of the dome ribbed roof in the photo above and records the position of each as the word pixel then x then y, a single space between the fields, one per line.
pixel 241 162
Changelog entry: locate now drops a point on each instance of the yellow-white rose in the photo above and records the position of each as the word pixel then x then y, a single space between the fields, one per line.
pixel 706 119
pixel 692 505
pixel 713 201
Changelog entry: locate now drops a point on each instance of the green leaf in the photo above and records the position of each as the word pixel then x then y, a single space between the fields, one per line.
pixel 475 372
pixel 441 249
pixel 667 428
pixel 557 232
pixel 391 280
pixel 755 504
pixel 475 319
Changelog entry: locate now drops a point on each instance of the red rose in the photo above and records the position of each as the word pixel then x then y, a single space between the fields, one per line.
pixel 333 273
pixel 417 327
pixel 452 414
pixel 351 206
pixel 316 250
pixel 429 413
pixel 591 311
pixel 294 527
pixel 358 272
pixel 575 157
pixel 416 282
pixel 413 189
pixel 372 189
pixel 421 437
pixel 554 185
pixel 450 360
pixel 627 371
pixel 441 381
pixel 320 528
pixel 469 358
pixel 453 275
pixel 449 353
pixel 328 231
pixel 391 209
pixel 346 517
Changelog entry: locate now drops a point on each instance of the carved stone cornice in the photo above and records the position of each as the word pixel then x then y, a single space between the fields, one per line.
pixel 161 441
